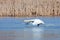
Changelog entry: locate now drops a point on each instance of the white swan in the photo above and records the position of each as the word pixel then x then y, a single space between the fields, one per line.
pixel 34 22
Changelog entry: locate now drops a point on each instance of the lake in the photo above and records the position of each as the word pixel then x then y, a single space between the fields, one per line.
pixel 15 29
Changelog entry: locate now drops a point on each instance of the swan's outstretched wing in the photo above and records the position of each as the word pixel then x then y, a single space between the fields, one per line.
pixel 28 21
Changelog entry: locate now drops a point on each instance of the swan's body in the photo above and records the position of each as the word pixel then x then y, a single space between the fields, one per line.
pixel 34 21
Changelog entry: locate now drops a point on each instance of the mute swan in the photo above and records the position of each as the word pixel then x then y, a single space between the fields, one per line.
pixel 34 22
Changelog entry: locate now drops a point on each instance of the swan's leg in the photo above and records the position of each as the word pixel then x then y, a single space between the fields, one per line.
pixel 38 25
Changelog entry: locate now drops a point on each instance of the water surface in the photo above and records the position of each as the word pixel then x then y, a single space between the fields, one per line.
pixel 16 29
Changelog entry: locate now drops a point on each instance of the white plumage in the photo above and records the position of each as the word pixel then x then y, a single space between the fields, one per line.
pixel 34 21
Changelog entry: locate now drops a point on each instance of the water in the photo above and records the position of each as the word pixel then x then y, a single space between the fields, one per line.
pixel 16 29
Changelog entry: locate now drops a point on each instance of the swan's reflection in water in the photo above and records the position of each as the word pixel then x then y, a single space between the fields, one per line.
pixel 37 33
pixel 33 33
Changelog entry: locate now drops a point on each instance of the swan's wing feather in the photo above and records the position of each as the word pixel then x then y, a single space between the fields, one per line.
pixel 28 21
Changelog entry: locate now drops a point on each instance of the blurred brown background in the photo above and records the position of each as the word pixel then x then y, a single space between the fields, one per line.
pixel 22 8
